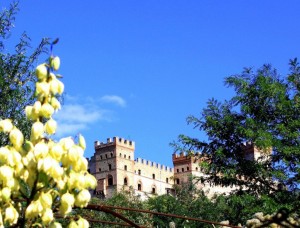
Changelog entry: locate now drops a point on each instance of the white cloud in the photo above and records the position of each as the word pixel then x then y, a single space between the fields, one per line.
pixel 78 114
pixel 114 99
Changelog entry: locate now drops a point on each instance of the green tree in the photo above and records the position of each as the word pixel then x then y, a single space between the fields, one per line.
pixel 16 73
pixel 265 111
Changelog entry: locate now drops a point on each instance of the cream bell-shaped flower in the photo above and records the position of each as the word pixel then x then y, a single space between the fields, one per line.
pixel 36 108
pixel 55 62
pixel 5 156
pixel 41 72
pixel 55 225
pixel 11 215
pixel 41 150
pixel 50 126
pixel 5 194
pixel 54 85
pixel 66 143
pixel 16 138
pixel 90 181
pixel 42 89
pixel 55 103
pixel 47 216
pixel 82 198
pixel 6 173
pixel 60 87
pixel 83 223
pixel 56 152
pixel 46 110
pixel 37 130
pixel 6 125
pixel 73 224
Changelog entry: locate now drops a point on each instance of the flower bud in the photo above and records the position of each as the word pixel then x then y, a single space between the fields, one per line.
pixel 46 110
pixel 66 143
pixel 6 173
pixel 55 62
pixel 16 137
pixel 41 72
pixel 82 143
pixel 50 127
pixel 6 125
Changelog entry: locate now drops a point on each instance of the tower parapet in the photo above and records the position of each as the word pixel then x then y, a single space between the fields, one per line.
pixel 153 164
pixel 115 141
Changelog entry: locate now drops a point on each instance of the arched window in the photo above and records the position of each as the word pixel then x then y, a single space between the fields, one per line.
pixel 111 154
pixel 105 155
pixel 129 157
pixel 167 180
pixel 196 168
pixel 153 189
pixel 109 166
pixel 182 169
pixel 120 154
pixel 177 170
pixel 139 172
pixel 177 181
pixel 139 186
pixel 187 168
pixel 125 181
pixel 124 155
pixel 110 180
pixel 153 176
pixel 125 167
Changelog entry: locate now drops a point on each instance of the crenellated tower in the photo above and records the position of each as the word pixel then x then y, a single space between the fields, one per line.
pixel 113 165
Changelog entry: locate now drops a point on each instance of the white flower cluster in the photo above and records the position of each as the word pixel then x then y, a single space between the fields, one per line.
pixel 261 220
pixel 39 175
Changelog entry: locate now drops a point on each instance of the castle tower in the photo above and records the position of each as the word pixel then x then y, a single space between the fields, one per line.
pixel 252 153
pixel 185 166
pixel 113 165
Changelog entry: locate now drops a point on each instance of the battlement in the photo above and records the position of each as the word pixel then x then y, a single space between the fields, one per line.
pixel 153 164
pixel 115 141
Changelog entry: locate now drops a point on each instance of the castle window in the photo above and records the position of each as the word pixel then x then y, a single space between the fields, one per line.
pixel 153 190
pixel 187 168
pixel 129 157
pixel 177 170
pixel 167 180
pixel 105 155
pixel 120 154
pixel 196 168
pixel 139 187
pixel 124 155
pixel 153 176
pixel 111 154
pixel 139 172
pixel 182 169
pixel 110 180
pixel 125 167
pixel 125 181
pixel 99 169
pixel 100 157
pixel 109 166
pixel 177 181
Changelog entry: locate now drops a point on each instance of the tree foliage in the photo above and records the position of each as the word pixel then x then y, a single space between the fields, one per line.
pixel 264 111
pixel 16 73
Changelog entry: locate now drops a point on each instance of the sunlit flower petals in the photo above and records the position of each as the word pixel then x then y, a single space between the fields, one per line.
pixel 37 130
pixel 6 125
pixel 50 126
pixel 82 198
pixel 83 223
pixel 16 137
pixel 46 110
pixel 41 72
pixel 11 215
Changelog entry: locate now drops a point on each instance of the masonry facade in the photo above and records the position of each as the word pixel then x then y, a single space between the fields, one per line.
pixel 115 168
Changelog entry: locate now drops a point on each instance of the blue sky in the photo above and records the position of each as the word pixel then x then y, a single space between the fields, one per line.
pixel 137 69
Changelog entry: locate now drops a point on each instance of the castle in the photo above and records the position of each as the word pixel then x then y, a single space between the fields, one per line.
pixel 115 168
